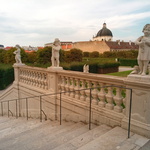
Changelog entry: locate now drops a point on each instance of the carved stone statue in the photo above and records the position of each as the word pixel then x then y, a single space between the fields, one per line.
pixel 55 53
pixel 144 50
pixel 18 55
pixel 86 68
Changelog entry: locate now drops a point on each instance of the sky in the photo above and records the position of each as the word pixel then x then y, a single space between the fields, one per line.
pixel 37 22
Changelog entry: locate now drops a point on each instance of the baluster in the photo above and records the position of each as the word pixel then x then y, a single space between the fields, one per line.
pixel 77 88
pixel 42 80
pixel 24 76
pixel 20 79
pixel 124 102
pixel 45 81
pixel 95 94
pixel 72 94
pixel 68 86
pixel 37 79
pixel 29 78
pixel 101 95
pixel 59 83
pixel 118 100
pixel 109 97
pixel 21 76
pixel 82 92
pixel 34 78
pixel 88 91
pixel 63 84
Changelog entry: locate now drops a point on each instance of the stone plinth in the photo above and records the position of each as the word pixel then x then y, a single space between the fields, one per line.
pixel 55 68
pixel 140 116
pixel 18 64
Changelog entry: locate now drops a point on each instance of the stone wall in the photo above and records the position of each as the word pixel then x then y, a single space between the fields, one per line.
pixel 90 46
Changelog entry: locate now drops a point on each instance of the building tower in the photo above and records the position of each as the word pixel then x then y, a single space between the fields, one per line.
pixel 103 35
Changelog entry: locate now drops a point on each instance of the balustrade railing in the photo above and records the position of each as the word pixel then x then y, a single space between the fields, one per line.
pixel 106 96
pixel 35 78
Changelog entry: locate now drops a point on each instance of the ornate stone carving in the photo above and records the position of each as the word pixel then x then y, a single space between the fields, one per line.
pixel 18 55
pixel 144 50
pixel 55 53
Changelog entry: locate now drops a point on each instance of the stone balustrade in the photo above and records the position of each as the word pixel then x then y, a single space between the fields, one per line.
pixel 105 93
pixel 33 77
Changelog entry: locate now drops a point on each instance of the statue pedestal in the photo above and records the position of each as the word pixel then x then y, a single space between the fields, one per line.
pixel 140 119
pixel 139 78
pixel 18 64
pixel 55 68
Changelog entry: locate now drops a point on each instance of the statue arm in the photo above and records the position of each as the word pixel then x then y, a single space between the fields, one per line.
pixel 139 40
pixel 56 48
pixel 148 42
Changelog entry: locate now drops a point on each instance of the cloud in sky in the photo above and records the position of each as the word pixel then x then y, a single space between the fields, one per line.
pixel 36 22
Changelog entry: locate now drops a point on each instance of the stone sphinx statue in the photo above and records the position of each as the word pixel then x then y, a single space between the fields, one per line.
pixel 144 50
pixel 55 53
pixel 18 55
pixel 86 68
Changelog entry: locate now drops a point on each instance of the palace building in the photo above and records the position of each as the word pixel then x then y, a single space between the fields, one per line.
pixel 103 41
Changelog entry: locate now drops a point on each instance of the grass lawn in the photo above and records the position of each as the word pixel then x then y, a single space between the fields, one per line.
pixel 121 74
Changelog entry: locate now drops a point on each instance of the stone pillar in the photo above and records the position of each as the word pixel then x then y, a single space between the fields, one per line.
pixel 16 72
pixel 140 116
pixel 52 81
pixel 16 82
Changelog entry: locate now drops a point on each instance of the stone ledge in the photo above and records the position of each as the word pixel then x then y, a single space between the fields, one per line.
pixel 136 77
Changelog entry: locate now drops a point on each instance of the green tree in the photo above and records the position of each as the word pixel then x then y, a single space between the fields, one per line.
pixel 44 55
pixel 2 54
pixel 86 54
pixel 62 55
pixel 109 54
pixel 94 54
pixel 32 57
pixel 73 55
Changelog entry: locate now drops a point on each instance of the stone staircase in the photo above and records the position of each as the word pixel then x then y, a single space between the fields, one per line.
pixel 20 134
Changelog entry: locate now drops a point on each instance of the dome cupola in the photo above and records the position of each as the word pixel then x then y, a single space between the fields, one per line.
pixel 104 34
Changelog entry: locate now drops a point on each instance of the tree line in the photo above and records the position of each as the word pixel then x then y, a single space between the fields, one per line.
pixel 43 56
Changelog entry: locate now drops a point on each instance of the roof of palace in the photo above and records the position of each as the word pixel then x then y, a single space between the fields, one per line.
pixel 121 45
pixel 104 31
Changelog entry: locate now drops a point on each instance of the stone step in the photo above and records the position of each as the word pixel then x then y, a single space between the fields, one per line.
pixel 20 134
pixel 84 138
pixel 135 142
pixel 107 141
pixel 55 138
pixel 24 140
pixel 24 128
pixel 52 143
pixel 19 125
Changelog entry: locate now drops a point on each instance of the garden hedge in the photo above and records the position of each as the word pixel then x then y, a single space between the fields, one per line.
pixel 128 62
pixel 6 77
